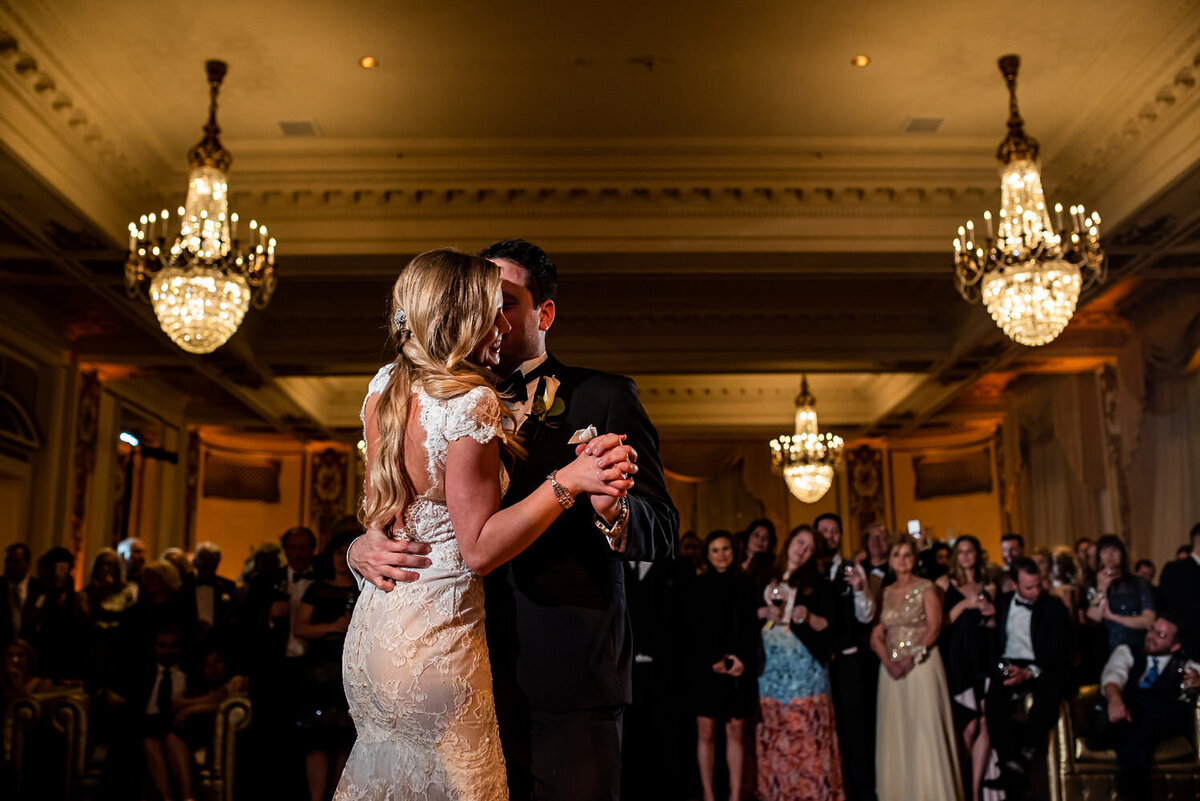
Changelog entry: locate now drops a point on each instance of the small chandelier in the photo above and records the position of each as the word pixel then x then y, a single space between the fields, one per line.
pixel 204 281
pixel 1030 276
pixel 806 459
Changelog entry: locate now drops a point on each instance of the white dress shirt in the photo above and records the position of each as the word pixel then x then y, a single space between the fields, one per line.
pixel 1116 669
pixel 296 589
pixel 1018 643
pixel 864 604
pixel 521 409
pixel 178 687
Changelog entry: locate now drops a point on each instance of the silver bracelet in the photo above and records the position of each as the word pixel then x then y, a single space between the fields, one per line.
pixel 564 497
pixel 618 524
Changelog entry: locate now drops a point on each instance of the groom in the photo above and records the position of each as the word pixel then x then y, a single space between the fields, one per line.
pixel 557 626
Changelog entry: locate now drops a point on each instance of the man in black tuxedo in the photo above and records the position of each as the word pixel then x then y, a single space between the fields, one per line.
pixel 214 598
pixel 1179 591
pixel 1143 705
pixel 1033 633
pixel 854 669
pixel 557 624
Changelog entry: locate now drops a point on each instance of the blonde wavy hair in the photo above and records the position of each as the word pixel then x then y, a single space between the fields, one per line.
pixel 450 301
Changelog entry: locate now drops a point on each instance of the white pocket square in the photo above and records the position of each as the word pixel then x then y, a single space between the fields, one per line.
pixel 583 435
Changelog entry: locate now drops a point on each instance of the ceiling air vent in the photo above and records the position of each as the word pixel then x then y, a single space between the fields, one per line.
pixel 303 128
pixel 922 125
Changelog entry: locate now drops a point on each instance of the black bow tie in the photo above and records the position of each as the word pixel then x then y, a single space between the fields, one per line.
pixel 307 574
pixel 1024 603
pixel 515 387
pixel 206 582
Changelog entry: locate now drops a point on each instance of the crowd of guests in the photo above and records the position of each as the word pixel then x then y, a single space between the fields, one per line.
pixel 919 668
pixel 762 669
pixel 158 645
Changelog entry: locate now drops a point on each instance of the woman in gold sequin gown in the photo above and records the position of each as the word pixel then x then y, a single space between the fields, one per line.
pixel 915 750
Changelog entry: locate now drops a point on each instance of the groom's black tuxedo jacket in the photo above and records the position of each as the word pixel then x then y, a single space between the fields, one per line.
pixel 557 626
pixel 1050 631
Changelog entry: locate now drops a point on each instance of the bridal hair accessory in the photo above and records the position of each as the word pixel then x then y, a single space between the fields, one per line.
pixel 400 320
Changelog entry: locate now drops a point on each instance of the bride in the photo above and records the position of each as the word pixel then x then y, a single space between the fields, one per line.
pixel 415 665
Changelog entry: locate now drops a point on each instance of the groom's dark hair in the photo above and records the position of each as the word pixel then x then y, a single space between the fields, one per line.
pixel 543 275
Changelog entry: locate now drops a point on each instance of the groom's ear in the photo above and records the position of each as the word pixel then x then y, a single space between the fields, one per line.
pixel 546 315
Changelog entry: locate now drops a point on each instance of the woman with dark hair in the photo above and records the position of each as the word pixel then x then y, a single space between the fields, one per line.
pixel 721 659
pixel 108 598
pixel 321 619
pixel 1062 578
pixel 966 641
pixel 55 619
pixel 915 755
pixel 758 550
pixel 1123 602
pixel 797 745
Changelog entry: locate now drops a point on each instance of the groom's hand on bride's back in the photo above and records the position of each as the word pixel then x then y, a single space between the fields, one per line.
pixel 383 561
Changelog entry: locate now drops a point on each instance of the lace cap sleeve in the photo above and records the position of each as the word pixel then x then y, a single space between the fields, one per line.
pixel 475 414
pixel 377 386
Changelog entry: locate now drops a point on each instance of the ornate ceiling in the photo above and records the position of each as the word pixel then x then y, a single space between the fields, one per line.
pixel 730 202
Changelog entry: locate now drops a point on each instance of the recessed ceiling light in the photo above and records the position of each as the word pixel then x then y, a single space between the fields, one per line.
pixel 858 61
pixel 368 62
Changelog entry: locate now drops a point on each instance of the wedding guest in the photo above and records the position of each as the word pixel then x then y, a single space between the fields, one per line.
pixel 1144 705
pixel 853 669
pixel 20 675
pixel 1144 569
pixel 1012 547
pixel 691 551
pixel 1043 559
pixel 214 597
pixel 108 598
pixel 55 619
pixel 758 547
pixel 194 715
pixel 159 606
pixel 1033 640
pixel 797 745
pixel 875 545
pixel 966 645
pixel 133 558
pixel 721 662
pixel 1062 580
pixel 1183 552
pixel 1081 550
pixel 934 561
pixel 915 755
pixel 15 587
pixel 1179 588
pixel 161 684
pixel 1122 601
pixel 322 618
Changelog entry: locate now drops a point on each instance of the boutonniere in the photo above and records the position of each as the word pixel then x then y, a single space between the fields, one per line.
pixel 546 402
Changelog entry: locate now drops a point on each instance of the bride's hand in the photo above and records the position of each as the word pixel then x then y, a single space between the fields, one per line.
pixel 608 474
pixel 611 451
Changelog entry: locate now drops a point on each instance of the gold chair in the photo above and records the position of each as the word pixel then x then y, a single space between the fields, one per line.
pixel 20 717
pixel 1077 772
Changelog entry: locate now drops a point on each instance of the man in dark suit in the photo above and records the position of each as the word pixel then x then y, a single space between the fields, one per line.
pixel 1033 632
pixel 1143 705
pixel 854 669
pixel 558 628
pixel 1179 591
pixel 214 598
pixel 16 586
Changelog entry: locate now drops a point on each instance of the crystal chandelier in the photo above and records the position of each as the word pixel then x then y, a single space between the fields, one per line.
pixel 1029 276
pixel 806 459
pixel 204 281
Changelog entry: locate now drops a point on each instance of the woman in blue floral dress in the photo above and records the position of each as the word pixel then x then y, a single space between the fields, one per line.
pixel 797 740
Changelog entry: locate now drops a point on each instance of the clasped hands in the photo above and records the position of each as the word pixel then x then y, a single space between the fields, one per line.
pixel 603 468
pixel 899 668
pixel 735 667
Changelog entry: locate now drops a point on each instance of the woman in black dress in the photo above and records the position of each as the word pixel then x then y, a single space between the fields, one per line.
pixel 966 640
pixel 722 659
pixel 324 722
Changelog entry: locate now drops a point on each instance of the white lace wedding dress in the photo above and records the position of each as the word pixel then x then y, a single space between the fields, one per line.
pixel 415 665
